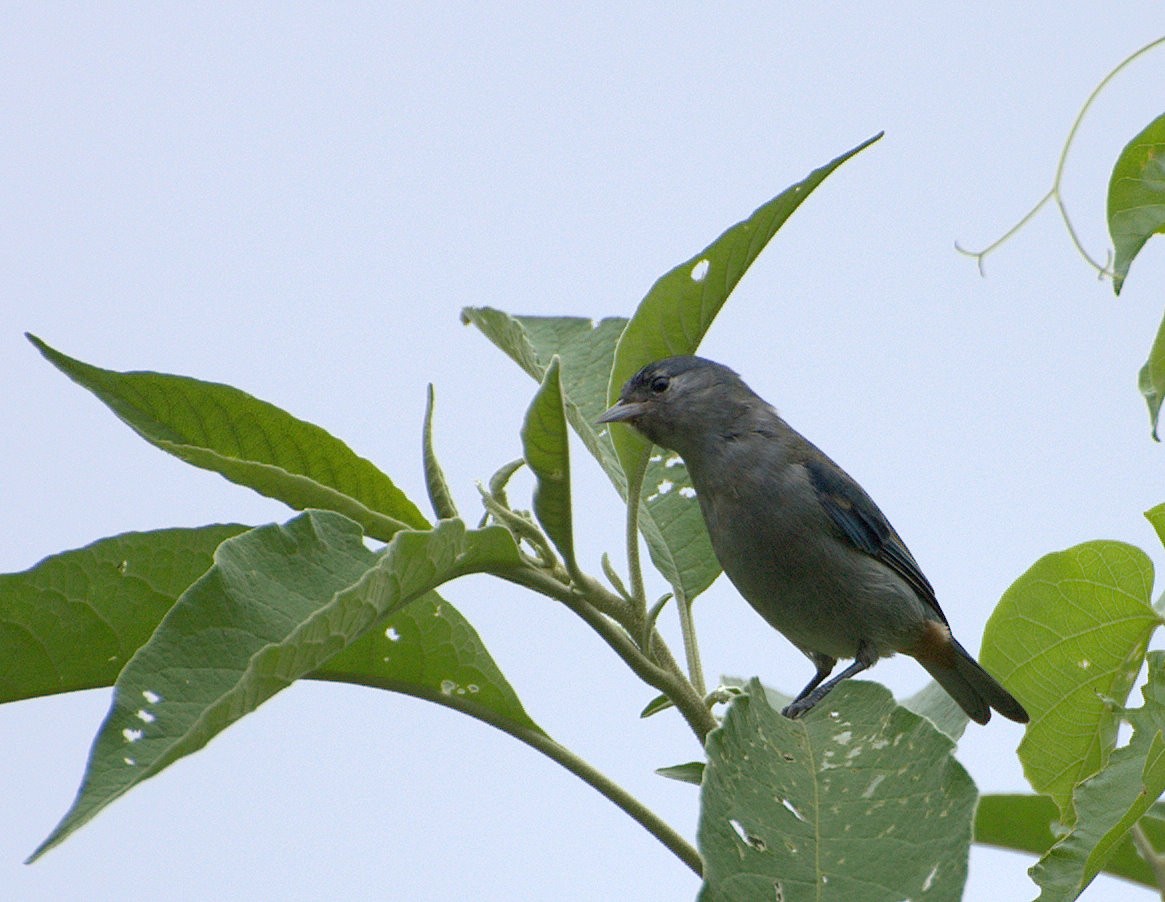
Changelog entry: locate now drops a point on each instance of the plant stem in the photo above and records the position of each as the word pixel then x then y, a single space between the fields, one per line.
pixel 635 569
pixel 656 666
pixel 1152 857
pixel 691 643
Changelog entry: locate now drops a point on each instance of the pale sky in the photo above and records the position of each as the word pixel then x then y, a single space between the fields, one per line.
pixel 298 199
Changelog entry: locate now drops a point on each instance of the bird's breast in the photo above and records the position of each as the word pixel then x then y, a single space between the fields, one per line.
pixel 779 548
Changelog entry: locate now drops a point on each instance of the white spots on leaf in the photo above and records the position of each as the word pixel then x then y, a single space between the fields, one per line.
pixel 844 737
pixel 145 716
pixel 674 460
pixel 874 784
pixel 391 634
pixel 929 881
pixel 793 810
pixel 754 841
pixel 130 734
pixel 450 687
pixel 1084 664
pixel 122 567
pixel 700 270
pixel 665 486
pixel 687 491
pixel 152 697
pixel 132 762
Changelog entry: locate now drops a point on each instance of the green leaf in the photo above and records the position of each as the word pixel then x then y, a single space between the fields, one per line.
pixel 692 772
pixel 933 703
pixel 279 602
pixel 248 441
pixel 73 620
pixel 1024 822
pixel 657 704
pixel 547 453
pixel 1151 379
pixel 1109 803
pixel 429 650
pixel 672 319
pixel 1136 197
pixel 1067 637
pixel 586 350
pixel 1027 823
pixel 1156 518
pixel 860 799
pixel 438 489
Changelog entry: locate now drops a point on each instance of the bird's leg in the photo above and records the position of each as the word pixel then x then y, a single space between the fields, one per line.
pixel 816 690
pixel 825 665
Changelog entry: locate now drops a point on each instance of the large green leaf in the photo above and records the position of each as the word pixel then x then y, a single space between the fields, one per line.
pixel 1110 802
pixel 860 799
pixel 547 453
pixel 279 603
pixel 673 319
pixel 1136 197
pixel 1068 638
pixel 248 441
pixel 72 621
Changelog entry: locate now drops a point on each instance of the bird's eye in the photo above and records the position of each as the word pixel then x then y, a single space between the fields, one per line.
pixel 659 384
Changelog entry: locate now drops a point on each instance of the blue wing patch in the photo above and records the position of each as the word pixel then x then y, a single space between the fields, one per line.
pixel 863 524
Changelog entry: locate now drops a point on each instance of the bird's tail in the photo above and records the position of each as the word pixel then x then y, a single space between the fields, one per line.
pixel 976 691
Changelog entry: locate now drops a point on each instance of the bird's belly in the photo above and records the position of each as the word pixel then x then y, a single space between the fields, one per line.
pixel 825 597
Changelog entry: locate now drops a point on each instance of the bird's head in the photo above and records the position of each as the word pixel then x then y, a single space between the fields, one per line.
pixel 679 401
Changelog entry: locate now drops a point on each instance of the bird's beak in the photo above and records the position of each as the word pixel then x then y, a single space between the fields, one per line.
pixel 623 410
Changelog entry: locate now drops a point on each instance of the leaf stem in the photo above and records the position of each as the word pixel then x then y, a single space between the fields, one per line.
pixel 1152 857
pixel 656 666
pixel 634 567
pixel 691 642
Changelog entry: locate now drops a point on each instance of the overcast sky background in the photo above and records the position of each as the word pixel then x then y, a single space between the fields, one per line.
pixel 298 199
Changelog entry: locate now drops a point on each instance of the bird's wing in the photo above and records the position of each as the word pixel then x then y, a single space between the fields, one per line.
pixel 865 526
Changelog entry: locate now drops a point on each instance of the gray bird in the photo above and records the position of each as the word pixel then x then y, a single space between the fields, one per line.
pixel 799 538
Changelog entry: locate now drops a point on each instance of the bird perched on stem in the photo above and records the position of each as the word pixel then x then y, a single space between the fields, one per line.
pixel 799 538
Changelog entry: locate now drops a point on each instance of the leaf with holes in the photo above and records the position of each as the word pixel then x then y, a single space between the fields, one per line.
pixel 279 603
pixel 859 799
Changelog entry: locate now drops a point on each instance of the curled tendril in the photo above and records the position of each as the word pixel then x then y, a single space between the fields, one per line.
pixel 1104 270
